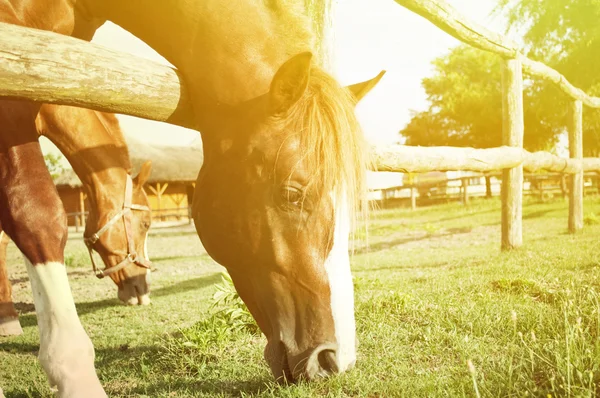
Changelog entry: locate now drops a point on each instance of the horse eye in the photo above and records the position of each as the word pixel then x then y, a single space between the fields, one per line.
pixel 292 195
pixel 146 225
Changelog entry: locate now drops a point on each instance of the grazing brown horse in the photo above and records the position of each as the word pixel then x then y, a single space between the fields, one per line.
pixel 282 177
pixel 102 164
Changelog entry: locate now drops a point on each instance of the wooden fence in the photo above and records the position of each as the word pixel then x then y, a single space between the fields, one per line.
pixel 464 188
pixel 47 67
pixel 511 161
pixel 158 215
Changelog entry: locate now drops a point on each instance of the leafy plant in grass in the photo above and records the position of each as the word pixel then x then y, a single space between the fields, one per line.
pixel 231 308
pixel 207 342
pixel 78 258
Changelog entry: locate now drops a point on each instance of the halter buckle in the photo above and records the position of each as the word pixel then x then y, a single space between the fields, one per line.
pixel 91 240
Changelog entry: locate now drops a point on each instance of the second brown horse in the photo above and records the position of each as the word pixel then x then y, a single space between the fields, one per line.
pixel 102 163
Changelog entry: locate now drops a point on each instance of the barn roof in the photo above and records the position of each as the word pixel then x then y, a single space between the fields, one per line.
pixel 169 163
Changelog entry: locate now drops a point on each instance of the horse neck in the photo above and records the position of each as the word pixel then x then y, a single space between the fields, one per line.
pixel 94 145
pixel 227 51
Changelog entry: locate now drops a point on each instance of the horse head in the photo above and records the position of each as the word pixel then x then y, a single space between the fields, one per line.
pixel 118 232
pixel 282 178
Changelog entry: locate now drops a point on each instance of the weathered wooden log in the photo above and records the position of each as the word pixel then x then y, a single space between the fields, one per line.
pixel 575 128
pixel 445 17
pixel 512 135
pixel 403 158
pixel 417 159
pixel 47 67
pixel 543 71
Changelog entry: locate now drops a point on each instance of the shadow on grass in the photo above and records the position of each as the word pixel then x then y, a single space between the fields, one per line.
pixel 28 317
pixel 184 286
pixel 380 246
pixel 8 344
pixel 166 234
pixel 537 214
pixel 146 362
pixel 210 387
pixel 185 257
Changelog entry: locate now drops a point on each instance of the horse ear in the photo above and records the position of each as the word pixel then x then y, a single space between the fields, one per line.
pixel 359 90
pixel 144 173
pixel 289 83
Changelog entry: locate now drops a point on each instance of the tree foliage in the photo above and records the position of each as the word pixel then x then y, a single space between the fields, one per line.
pixel 564 34
pixel 54 165
pixel 465 95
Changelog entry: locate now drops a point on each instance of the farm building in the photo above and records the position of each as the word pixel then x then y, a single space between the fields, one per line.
pixel 169 188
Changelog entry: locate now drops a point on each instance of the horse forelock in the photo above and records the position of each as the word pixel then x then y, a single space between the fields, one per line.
pixel 331 141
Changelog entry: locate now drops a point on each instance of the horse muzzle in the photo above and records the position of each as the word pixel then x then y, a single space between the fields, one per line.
pixel 319 362
pixel 135 290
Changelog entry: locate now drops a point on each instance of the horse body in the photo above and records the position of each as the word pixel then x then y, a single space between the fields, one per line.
pixel 282 174
pixel 101 161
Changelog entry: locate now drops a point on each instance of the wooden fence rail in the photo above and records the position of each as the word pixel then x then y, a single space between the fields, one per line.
pixel 444 16
pixel 420 159
pixel 158 215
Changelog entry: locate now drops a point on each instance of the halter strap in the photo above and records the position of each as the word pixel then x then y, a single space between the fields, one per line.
pixel 125 213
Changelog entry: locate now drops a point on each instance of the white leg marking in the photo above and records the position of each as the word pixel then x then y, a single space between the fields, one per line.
pixel 66 352
pixel 337 267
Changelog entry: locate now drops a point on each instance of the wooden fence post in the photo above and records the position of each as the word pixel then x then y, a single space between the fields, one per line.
pixel 563 185
pixel 413 197
pixel 465 190
pixel 512 135
pixel 82 197
pixel 576 152
pixel 488 186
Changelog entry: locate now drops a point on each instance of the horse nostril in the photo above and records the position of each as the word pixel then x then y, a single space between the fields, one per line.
pixel 328 361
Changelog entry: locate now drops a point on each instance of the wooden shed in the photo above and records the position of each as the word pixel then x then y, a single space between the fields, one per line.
pixel 169 188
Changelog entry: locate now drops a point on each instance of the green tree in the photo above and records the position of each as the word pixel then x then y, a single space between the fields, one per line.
pixel 465 95
pixel 564 34
pixel 54 164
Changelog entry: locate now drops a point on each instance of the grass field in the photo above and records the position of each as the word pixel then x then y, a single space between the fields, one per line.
pixel 440 312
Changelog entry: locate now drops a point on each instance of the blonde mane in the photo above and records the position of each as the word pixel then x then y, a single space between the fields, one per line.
pixel 332 142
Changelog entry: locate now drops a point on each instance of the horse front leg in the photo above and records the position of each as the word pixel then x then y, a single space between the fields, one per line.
pixel 9 318
pixel 33 216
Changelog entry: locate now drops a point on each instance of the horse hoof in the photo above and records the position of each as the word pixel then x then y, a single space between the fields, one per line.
pixel 10 326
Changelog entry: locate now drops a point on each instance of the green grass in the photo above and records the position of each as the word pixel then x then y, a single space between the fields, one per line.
pixel 440 312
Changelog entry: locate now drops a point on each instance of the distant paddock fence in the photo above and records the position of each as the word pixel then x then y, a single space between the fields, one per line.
pixel 464 188
pixel 78 218
pixel 511 158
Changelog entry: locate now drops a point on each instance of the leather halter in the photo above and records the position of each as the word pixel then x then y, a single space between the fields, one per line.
pixel 125 213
